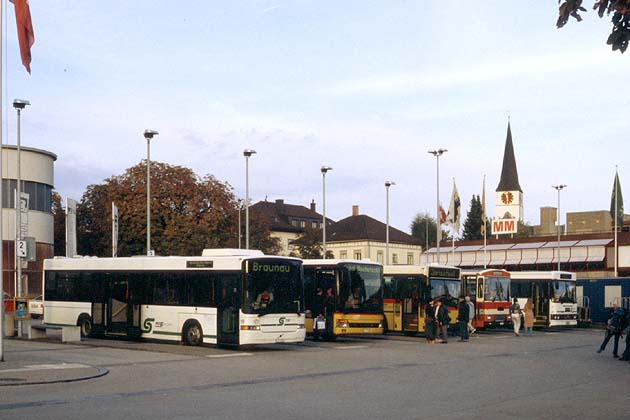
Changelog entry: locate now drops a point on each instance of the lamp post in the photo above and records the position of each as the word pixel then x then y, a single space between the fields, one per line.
pixel 19 105
pixel 387 185
pixel 239 205
pixel 247 153
pixel 324 170
pixel 559 188
pixel 437 153
pixel 148 134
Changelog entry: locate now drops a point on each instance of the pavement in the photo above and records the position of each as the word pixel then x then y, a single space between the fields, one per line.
pixel 34 362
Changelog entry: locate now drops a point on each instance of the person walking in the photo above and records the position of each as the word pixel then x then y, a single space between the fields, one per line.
pixel 471 315
pixel 429 322
pixel 615 326
pixel 463 318
pixel 528 313
pixel 517 316
pixel 443 320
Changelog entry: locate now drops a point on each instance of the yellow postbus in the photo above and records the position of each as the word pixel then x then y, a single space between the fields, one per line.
pixel 408 288
pixel 348 294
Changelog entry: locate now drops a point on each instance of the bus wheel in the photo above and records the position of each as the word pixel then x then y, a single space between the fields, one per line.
pixel 192 333
pixel 85 322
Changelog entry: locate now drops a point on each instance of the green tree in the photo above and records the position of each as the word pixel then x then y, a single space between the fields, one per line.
pixel 424 224
pixel 188 214
pixel 309 244
pixel 525 230
pixel 620 10
pixel 59 225
pixel 473 223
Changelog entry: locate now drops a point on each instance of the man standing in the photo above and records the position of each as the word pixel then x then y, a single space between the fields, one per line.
pixel 443 320
pixel 471 315
pixel 463 319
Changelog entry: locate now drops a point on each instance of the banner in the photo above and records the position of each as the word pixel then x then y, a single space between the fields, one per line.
pixel 114 230
pixel 71 227
pixel 453 218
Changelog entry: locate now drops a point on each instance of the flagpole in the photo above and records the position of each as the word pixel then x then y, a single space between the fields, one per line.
pixel 483 217
pixel 1 222
pixel 616 215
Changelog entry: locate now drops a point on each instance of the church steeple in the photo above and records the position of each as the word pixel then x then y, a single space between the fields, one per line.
pixel 509 174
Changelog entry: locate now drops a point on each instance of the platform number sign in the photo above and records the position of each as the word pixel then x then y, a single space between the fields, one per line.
pixel 22 249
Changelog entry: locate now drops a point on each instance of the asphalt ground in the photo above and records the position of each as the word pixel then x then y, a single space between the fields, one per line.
pixel 554 375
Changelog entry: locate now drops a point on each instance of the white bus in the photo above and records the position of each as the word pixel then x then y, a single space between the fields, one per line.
pixel 552 293
pixel 225 297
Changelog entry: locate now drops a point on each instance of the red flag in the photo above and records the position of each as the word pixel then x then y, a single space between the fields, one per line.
pixel 442 215
pixel 26 37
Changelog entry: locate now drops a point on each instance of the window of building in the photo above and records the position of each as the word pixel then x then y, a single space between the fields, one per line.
pixel 294 222
pixel 314 225
pixel 40 195
pixel 343 254
pixel 410 259
pixel 303 223
pixel 379 257
pixel 394 258
pixel 357 254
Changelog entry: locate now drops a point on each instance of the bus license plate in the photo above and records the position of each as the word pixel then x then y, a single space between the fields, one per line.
pixel 366 330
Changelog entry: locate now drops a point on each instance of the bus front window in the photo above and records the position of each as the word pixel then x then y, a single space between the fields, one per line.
pixel 497 289
pixel 363 289
pixel 445 289
pixel 272 287
pixel 564 292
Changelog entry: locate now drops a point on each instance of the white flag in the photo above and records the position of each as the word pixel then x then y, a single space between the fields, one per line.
pixel 454 211
pixel 71 227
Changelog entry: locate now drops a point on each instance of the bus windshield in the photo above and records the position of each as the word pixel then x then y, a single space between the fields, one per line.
pixel 563 292
pixel 361 288
pixel 496 289
pixel 273 287
pixel 446 289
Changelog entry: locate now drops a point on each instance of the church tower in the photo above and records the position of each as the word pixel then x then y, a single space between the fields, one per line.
pixel 509 199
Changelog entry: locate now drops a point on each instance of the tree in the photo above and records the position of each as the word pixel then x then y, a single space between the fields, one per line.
pixel 188 214
pixel 309 244
pixel 423 224
pixel 59 225
pixel 620 9
pixel 473 223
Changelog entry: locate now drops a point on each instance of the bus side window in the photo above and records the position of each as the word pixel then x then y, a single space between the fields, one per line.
pixel 480 292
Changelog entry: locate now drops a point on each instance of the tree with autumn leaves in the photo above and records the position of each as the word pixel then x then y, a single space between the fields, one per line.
pixel 188 213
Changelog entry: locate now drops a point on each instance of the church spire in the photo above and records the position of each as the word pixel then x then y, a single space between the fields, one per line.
pixel 509 174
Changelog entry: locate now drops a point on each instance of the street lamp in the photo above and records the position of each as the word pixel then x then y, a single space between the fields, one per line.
pixel 148 134
pixel 19 105
pixel 437 153
pixel 239 205
pixel 247 153
pixel 324 170
pixel 559 188
pixel 387 185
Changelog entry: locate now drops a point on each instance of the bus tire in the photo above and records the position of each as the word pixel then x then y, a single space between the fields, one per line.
pixel 85 323
pixel 192 334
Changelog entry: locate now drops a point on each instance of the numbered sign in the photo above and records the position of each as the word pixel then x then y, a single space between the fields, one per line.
pixel 22 249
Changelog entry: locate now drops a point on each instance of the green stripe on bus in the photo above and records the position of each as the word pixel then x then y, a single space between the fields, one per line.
pixel 176 333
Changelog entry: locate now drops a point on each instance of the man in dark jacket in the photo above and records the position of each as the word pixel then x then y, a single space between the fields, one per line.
pixel 614 328
pixel 443 321
pixel 462 319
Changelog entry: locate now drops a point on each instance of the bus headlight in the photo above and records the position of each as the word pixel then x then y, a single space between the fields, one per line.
pixel 343 323
pixel 300 326
pixel 250 327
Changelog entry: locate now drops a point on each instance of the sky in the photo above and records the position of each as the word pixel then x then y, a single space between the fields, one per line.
pixel 366 87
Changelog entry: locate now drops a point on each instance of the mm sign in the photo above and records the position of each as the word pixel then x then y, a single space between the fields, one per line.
pixel 504 226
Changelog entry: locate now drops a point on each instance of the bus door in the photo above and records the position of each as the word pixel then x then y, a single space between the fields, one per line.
pixel 411 306
pixel 122 312
pixel 227 310
pixel 538 299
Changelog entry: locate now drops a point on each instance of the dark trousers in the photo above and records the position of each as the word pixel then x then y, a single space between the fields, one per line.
pixel 607 339
pixel 463 329
pixel 443 329
pixel 429 329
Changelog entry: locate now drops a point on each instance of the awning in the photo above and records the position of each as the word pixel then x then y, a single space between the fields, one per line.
pixel 512 262
pixel 528 261
pixel 594 259
pixel 544 260
pixel 562 259
pixel 497 262
pixel 578 259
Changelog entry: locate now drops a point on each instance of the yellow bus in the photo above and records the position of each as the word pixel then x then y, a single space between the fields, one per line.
pixel 348 294
pixel 408 288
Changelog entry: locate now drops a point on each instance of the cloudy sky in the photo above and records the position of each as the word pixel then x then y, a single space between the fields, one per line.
pixel 367 87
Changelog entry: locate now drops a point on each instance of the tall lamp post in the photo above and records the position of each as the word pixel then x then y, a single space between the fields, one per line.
pixel 324 170
pixel 19 105
pixel 149 134
pixel 239 205
pixel 437 153
pixel 559 188
pixel 247 153
pixel 387 185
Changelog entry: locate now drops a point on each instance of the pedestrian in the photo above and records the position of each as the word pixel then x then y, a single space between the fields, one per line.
pixel 429 322
pixel 463 318
pixel 626 353
pixel 517 316
pixel 443 320
pixel 319 326
pixel 471 315
pixel 528 313
pixel 614 327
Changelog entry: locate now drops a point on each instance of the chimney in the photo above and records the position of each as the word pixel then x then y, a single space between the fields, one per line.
pixel 313 205
pixel 355 210
pixel 279 201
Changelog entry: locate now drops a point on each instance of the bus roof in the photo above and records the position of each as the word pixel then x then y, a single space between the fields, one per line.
pixel 543 275
pixel 413 269
pixel 227 262
pixel 495 272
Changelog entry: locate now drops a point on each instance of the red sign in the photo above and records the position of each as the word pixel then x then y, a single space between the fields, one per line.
pixel 504 226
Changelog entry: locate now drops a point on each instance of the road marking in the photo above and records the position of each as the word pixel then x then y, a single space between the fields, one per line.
pixel 46 367
pixel 351 347
pixel 217 356
pixel 551 333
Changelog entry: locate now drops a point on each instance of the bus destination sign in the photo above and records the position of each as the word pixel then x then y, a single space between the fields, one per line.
pixel 200 264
